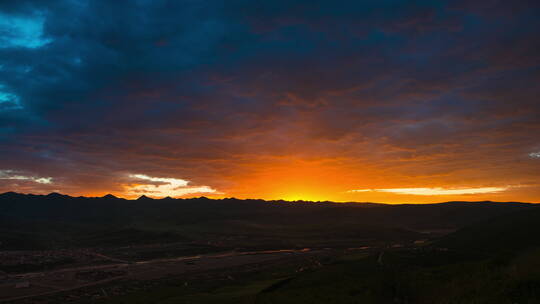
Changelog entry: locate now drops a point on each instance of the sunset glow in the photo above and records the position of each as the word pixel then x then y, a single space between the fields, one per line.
pixel 384 101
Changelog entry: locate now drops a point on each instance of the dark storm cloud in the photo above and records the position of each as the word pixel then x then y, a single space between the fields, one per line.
pixel 93 90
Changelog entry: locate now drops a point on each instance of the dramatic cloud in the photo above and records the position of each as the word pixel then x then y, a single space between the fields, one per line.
pixel 271 99
pixel 161 187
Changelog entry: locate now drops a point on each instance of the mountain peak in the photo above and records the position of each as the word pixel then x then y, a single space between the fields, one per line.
pixel 56 195
pixel 109 196
pixel 144 197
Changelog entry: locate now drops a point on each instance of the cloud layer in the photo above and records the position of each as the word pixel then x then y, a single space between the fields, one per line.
pixel 274 99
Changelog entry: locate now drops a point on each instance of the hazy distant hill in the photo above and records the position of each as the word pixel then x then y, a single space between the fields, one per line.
pixel 55 220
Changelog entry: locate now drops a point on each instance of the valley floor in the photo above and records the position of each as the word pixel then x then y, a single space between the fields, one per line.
pixel 391 274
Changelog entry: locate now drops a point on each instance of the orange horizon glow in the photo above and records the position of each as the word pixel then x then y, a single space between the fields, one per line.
pixel 326 180
pixel 308 179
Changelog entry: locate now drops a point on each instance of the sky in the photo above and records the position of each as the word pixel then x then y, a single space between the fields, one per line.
pixel 385 101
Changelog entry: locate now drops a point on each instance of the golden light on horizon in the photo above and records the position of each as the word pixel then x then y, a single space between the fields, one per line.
pixel 322 179
pixel 290 179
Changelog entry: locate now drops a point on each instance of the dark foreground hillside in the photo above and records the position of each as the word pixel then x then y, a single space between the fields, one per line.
pixel 512 232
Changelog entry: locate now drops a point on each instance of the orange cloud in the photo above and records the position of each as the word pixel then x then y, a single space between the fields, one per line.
pixel 162 187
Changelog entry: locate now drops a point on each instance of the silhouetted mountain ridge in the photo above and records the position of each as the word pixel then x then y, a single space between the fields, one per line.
pixel 37 218
pixel 11 194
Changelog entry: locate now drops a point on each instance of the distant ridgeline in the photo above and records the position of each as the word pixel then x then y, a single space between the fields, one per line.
pixel 59 221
